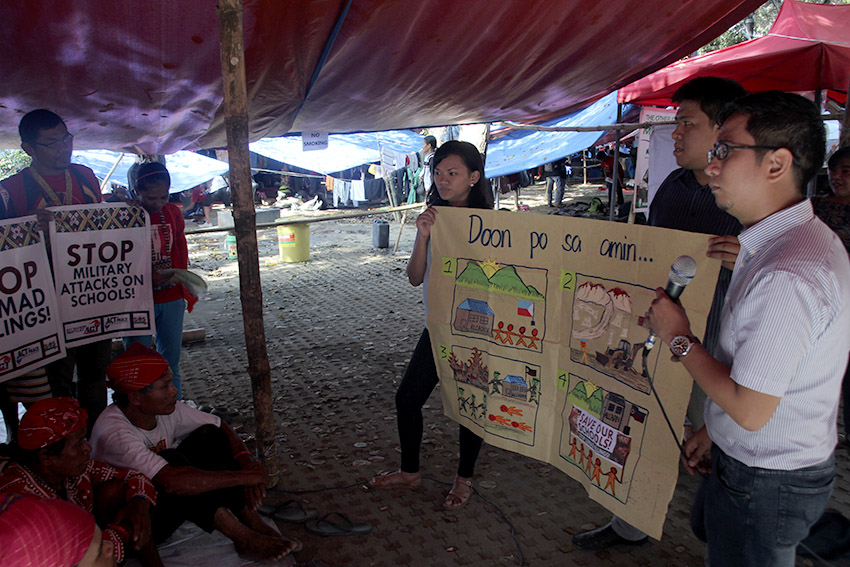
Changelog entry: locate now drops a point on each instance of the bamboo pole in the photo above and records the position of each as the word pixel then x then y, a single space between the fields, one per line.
pixel 313 218
pixel 584 165
pixel 615 178
pixel 110 172
pixel 387 178
pixel 844 136
pixel 244 219
pixel 400 228
pixel 625 127
pixel 812 186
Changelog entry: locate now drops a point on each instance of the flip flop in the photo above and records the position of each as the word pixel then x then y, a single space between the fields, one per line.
pixel 290 511
pixel 225 414
pixel 342 526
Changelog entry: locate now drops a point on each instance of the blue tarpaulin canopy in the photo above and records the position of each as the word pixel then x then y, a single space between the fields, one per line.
pixel 524 149
pixel 187 169
pixel 517 151
pixel 344 150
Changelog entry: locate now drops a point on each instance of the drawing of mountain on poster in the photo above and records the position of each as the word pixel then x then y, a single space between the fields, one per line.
pixel 536 324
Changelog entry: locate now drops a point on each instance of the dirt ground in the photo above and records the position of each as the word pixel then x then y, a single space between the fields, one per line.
pixel 340 329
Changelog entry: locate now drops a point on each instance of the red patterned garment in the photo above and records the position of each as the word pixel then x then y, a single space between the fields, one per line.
pixel 135 368
pixel 34 531
pixel 170 250
pixel 50 420
pixel 79 490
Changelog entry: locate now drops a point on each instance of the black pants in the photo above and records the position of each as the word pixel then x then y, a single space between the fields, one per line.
pixel 221 195
pixel 91 361
pixel 845 389
pixel 419 381
pixel 206 448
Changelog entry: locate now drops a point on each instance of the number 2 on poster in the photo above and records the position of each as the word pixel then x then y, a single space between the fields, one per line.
pixel 568 280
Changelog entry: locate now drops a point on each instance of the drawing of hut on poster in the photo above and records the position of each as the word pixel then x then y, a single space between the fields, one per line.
pixel 536 325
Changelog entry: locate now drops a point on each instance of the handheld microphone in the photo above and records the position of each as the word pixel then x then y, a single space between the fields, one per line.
pixel 681 273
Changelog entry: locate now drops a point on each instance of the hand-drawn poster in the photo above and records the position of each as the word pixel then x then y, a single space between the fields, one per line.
pixel 102 271
pixel 30 330
pixel 535 322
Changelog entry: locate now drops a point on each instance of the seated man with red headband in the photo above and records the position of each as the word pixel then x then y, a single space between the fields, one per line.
pixel 50 533
pixel 52 461
pixel 203 471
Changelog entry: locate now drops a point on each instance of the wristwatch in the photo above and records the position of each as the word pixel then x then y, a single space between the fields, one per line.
pixel 681 345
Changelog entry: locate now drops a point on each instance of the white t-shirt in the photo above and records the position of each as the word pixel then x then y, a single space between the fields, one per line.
pixel 426 172
pixel 118 442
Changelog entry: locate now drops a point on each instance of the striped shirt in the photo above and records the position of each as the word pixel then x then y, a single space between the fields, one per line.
pixel 786 333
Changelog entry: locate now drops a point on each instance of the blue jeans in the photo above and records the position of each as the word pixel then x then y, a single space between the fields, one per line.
pixel 168 319
pixel 756 517
pixel 558 183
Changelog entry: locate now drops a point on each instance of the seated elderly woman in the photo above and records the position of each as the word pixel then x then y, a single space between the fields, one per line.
pixel 51 460
pixel 50 533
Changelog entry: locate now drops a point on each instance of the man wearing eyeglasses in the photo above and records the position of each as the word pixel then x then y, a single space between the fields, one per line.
pixel 684 202
pixel 775 379
pixel 52 180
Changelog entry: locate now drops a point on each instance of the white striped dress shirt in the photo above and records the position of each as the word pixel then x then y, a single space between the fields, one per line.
pixel 785 332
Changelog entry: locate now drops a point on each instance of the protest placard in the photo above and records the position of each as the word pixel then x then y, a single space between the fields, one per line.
pixel 102 271
pixel 536 328
pixel 30 330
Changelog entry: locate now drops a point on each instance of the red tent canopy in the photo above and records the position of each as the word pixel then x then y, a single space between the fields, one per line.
pixel 807 48
pixel 127 74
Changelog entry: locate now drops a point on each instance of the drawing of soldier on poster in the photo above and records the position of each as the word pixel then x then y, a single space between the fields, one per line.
pixel 499 394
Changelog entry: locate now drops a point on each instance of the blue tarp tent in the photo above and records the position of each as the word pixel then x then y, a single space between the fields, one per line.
pixel 344 150
pixel 524 149
pixel 517 151
pixel 187 169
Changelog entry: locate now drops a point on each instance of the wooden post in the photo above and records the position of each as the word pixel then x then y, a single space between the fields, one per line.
pixel 584 165
pixel 400 228
pixel 105 181
pixel 387 178
pixel 844 133
pixel 244 219
pixel 812 186
pixel 615 178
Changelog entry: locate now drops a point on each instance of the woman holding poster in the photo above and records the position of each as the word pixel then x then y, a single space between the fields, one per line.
pixel 457 181
pixel 168 252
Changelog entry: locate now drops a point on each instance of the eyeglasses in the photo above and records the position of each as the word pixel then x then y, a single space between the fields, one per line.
pixel 58 144
pixel 721 150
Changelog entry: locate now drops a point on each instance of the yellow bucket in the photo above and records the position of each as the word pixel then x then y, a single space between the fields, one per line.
pixel 293 240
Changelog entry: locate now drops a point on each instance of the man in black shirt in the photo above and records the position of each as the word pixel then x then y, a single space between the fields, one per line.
pixel 684 201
